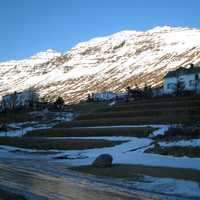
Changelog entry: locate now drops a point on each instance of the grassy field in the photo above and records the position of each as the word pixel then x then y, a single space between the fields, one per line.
pixel 164 110
pixel 176 151
pixel 87 107
pixel 89 132
pixel 4 195
pixel 153 111
pixel 176 134
pixel 136 172
pixel 155 104
pixel 60 144
pixel 164 119
pixel 19 116
pixel 139 113
pixel 183 133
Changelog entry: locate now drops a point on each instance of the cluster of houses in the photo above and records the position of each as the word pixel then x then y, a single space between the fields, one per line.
pixel 106 96
pixel 17 100
pixel 28 99
pixel 184 80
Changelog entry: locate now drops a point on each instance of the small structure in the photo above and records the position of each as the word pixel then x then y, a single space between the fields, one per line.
pixel 104 96
pixel 182 79
pixel 107 96
pixel 18 100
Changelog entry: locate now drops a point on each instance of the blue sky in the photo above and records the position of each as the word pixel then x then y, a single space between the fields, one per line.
pixel 30 26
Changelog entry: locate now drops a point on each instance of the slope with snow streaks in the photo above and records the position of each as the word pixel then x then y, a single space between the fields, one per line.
pixel 106 63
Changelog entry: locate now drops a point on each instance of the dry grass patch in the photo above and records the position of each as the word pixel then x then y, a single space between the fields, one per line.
pixel 151 113
pixel 92 132
pixel 5 195
pixel 18 116
pixel 59 144
pixel 177 151
pixel 136 172
pixel 153 104
pixel 180 133
pixel 88 107
pixel 164 119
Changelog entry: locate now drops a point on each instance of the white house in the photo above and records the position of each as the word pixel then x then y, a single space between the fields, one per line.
pixel 104 96
pixel 186 78
pixel 18 100
pixel 108 96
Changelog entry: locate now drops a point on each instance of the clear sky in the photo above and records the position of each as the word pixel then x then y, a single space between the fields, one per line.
pixel 30 26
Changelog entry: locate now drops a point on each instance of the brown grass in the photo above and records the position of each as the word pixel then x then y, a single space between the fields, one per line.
pixel 5 195
pixel 18 116
pixel 140 113
pixel 89 132
pixel 180 133
pixel 60 144
pixel 175 151
pixel 134 172
pixel 153 104
pixel 159 111
pixel 165 119
pixel 87 107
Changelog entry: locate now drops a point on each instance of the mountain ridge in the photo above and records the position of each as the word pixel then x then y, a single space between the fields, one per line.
pixel 111 62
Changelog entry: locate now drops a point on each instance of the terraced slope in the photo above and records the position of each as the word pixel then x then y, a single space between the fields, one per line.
pixel 155 111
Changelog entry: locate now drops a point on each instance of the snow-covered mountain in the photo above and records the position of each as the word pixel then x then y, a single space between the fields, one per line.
pixel 107 63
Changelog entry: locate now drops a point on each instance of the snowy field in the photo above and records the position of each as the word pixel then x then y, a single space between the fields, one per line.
pixel 181 143
pixel 21 128
pixel 129 152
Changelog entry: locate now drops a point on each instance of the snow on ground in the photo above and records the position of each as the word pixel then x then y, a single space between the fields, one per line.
pixel 64 117
pixel 161 129
pixel 21 128
pixel 59 116
pixel 129 152
pixel 182 188
pixel 182 143
pixel 132 151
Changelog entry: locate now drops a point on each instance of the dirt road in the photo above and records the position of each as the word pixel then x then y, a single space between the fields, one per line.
pixel 44 180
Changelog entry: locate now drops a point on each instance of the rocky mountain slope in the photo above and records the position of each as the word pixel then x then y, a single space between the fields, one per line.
pixel 106 63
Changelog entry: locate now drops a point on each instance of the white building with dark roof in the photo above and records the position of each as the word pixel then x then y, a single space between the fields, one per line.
pixel 18 100
pixel 104 96
pixel 186 78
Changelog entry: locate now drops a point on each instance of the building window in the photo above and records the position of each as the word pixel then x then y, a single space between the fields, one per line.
pixel 170 86
pixel 191 83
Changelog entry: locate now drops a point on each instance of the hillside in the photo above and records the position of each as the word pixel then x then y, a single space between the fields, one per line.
pixel 177 110
pixel 107 63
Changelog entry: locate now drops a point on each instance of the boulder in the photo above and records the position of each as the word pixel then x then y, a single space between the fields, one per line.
pixel 102 161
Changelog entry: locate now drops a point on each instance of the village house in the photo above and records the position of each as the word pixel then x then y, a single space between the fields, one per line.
pixel 18 100
pixel 104 96
pixel 185 79
pixel 107 96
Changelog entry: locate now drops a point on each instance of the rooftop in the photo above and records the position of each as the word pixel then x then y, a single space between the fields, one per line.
pixel 183 71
